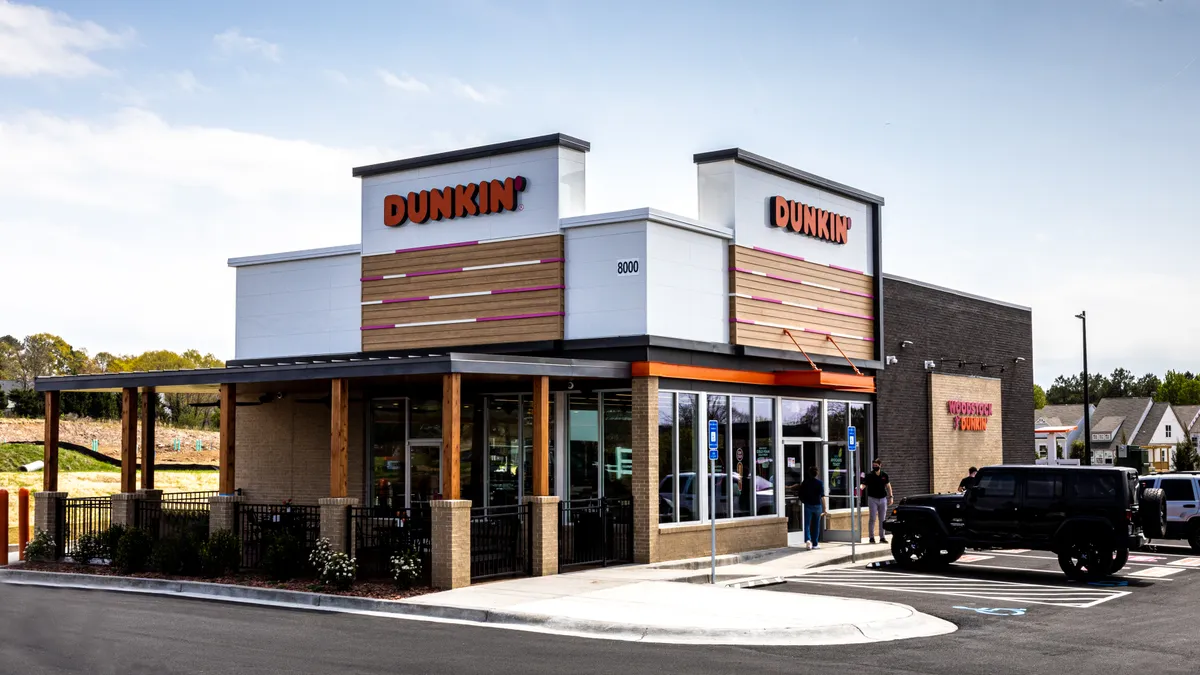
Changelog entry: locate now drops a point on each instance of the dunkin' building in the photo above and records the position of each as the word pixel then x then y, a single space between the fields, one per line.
pixel 536 382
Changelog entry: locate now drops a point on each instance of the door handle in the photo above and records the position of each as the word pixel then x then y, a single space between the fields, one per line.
pixel 1189 506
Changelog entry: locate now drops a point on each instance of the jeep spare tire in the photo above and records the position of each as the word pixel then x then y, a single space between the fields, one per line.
pixel 1153 511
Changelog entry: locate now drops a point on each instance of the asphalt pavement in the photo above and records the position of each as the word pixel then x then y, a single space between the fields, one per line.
pixel 1016 612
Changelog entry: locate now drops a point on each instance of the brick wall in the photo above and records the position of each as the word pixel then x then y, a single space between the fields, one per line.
pixel 678 542
pixel 956 450
pixel 947 325
pixel 283 451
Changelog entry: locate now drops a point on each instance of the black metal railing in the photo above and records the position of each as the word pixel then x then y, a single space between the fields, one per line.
pixel 375 534
pixel 260 525
pixel 501 541
pixel 595 532
pixel 79 516
pixel 178 514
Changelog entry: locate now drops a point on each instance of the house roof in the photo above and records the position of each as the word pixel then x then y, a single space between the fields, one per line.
pixel 1133 410
pixel 1108 425
pixel 1146 432
pixel 1187 415
pixel 1058 415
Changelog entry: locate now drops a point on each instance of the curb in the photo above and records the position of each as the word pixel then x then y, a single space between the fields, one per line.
pixel 914 625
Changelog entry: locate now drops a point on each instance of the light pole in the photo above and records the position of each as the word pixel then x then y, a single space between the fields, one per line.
pixel 1087 397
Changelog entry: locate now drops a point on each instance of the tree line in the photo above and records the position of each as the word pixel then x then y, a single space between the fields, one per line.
pixel 1176 388
pixel 44 354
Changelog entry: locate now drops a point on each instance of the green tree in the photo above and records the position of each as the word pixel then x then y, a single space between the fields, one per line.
pixel 1065 390
pixel 1039 397
pixel 1147 385
pixel 1078 447
pixel 1178 389
pixel 1186 458
pixel 1121 384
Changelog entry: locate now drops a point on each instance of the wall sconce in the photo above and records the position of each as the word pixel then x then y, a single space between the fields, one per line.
pixel 1019 359
pixel 906 343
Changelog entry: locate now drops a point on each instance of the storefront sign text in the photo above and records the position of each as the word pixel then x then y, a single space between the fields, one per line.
pixel 969 415
pixel 809 220
pixel 472 199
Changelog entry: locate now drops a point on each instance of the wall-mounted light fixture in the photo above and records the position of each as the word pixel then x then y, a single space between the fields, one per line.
pixel 892 360
pixel 930 365
pixel 906 343
pixel 1019 359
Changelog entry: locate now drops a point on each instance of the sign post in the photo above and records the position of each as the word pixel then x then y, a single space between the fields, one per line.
pixel 855 516
pixel 712 494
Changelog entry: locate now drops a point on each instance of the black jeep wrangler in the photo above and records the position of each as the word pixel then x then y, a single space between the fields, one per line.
pixel 1089 516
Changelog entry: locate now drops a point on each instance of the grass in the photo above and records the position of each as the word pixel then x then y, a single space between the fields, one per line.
pixel 95 484
pixel 15 455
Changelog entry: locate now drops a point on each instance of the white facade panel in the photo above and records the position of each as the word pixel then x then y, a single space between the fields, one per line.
pixel 538 205
pixel 299 307
pixel 599 302
pixel 688 284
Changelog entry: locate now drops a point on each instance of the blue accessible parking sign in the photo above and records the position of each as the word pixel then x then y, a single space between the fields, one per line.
pixel 852 437
pixel 712 440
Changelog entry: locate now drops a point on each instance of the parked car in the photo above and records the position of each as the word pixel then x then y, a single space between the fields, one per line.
pixel 1089 516
pixel 1182 493
pixel 764 497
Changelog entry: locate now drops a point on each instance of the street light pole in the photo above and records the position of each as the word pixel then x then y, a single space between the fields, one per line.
pixel 1087 397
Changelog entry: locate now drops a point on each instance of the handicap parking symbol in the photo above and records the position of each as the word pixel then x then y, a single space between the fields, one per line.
pixel 1108 584
pixel 994 611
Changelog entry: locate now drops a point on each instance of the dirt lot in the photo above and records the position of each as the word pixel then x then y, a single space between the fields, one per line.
pixel 108 433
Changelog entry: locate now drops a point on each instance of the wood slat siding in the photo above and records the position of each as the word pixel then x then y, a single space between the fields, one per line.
pixel 474 307
pixel 785 315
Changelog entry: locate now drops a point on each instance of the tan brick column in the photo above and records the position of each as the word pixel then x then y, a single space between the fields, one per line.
pixel 46 507
pixel 222 513
pixel 150 501
pixel 335 521
pixel 544 511
pixel 124 508
pixel 451 554
pixel 645 469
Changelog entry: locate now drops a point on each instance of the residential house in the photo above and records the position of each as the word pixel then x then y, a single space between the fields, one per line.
pixel 5 387
pixel 1188 416
pixel 1061 424
pixel 1159 433
pixel 1117 421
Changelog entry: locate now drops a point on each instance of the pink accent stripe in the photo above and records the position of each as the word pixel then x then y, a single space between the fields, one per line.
pixel 551 260
pixel 803 330
pixel 433 272
pixel 742 321
pixel 436 247
pixel 528 289
pixel 849 314
pixel 846 269
pixel 378 327
pixel 510 317
pixel 376 278
pixel 789 280
pixel 395 300
pixel 779 253
pixel 762 299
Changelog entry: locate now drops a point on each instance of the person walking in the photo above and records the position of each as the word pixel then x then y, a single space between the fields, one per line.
pixel 878 489
pixel 968 481
pixel 812 496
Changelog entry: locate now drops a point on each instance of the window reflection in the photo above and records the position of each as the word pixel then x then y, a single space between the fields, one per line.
pixel 584 447
pixel 764 456
pixel 618 445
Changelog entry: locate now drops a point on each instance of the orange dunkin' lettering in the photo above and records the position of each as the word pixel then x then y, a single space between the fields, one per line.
pixel 807 220
pixel 473 199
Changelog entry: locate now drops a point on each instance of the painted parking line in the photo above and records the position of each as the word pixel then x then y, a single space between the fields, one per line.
pixel 983 589
pixel 1186 562
pixel 1033 570
pixel 1134 560
pixel 1156 572
pixel 970 558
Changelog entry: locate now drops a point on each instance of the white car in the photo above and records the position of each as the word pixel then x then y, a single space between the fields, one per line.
pixel 764 497
pixel 1182 493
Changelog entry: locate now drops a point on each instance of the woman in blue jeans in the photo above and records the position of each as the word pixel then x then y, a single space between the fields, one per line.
pixel 812 495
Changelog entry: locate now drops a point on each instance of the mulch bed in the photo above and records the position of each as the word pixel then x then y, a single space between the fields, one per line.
pixel 379 590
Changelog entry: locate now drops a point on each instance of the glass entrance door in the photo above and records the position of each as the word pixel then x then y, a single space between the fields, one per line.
pixel 424 471
pixel 798 456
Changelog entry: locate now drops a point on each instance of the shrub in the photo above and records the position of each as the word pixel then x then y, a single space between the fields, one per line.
pixel 133 551
pixel 339 571
pixel 319 558
pixel 284 556
pixel 406 569
pixel 221 554
pixel 88 547
pixel 40 548
pixel 109 539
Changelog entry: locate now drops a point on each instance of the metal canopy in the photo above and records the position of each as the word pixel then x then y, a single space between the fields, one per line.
pixel 205 380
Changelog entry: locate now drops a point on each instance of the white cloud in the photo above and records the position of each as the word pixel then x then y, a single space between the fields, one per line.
pixel 127 223
pixel 404 82
pixel 491 95
pixel 187 82
pixel 36 41
pixel 232 42
pixel 335 76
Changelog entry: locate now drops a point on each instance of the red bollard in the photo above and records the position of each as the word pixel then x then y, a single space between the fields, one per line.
pixel 4 509
pixel 22 522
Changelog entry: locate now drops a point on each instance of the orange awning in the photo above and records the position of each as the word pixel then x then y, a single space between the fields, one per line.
pixel 815 379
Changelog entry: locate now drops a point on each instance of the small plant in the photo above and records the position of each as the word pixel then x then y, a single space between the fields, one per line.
pixel 221 554
pixel 109 539
pixel 133 551
pixel 284 555
pixel 406 569
pixel 319 558
pixel 40 548
pixel 339 571
pixel 87 549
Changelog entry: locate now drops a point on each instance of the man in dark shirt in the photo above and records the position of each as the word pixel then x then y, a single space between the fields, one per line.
pixel 968 481
pixel 878 490
pixel 812 495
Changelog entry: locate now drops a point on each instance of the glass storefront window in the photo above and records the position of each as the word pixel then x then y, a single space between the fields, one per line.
pixel 718 409
pixel 801 419
pixel 743 459
pixel 425 418
pixel 527 445
pixel 583 476
pixel 618 444
pixel 388 443
pixel 764 456
pixel 689 476
pixel 504 449
pixel 839 469
pixel 860 420
pixel 668 483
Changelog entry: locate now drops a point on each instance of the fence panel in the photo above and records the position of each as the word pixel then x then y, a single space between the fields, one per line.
pixel 178 514
pixel 259 525
pixel 79 516
pixel 501 541
pixel 376 534
pixel 595 532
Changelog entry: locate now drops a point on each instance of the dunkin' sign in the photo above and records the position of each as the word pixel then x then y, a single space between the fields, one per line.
pixel 969 415
pixel 459 201
pixel 809 220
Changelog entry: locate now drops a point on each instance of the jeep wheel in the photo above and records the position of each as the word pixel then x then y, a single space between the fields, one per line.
pixel 1194 537
pixel 1153 512
pixel 913 549
pixel 1120 557
pixel 1086 559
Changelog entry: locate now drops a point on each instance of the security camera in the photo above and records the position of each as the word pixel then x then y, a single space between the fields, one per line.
pixel 930 365
pixel 892 360
pixel 570 385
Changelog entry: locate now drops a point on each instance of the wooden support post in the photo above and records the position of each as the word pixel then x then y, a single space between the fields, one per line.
pixel 50 449
pixel 228 440
pixel 541 436
pixel 451 434
pixel 149 418
pixel 129 404
pixel 339 439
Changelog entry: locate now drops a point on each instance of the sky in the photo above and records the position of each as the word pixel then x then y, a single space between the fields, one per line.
pixel 1040 153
